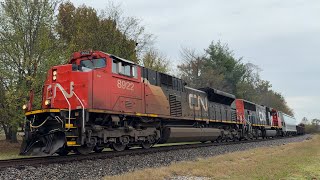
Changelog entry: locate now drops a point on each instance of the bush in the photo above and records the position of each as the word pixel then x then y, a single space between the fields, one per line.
pixel 312 128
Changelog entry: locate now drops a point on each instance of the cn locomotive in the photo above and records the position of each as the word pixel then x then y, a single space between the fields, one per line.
pixel 99 100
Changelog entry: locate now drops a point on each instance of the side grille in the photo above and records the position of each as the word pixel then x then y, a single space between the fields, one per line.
pixel 175 106
pixel 233 116
pixel 128 104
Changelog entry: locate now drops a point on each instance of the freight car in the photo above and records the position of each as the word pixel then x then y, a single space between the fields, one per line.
pixel 100 100
pixel 300 129
pixel 288 124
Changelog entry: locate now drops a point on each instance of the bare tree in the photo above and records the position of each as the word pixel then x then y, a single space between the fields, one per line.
pixel 305 121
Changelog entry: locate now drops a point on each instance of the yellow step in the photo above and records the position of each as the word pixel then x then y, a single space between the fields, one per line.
pixel 70 126
pixel 72 143
pixel 72 136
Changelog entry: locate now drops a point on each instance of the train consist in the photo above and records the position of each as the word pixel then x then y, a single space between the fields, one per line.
pixel 99 100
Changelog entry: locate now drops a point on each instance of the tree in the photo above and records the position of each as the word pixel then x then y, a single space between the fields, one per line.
pixel 315 122
pixel 191 67
pixel 131 28
pixel 220 59
pixel 155 61
pixel 83 28
pixel 247 87
pixel 254 89
pixel 305 121
pixel 28 47
pixel 313 127
pixel 218 68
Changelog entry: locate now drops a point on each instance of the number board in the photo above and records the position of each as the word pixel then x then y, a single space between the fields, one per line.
pixel 126 85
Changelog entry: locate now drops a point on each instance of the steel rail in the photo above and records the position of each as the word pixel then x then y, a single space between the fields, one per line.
pixel 45 160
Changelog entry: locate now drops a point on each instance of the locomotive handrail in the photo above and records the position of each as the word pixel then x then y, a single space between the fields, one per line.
pixel 250 125
pixel 35 127
pixel 59 120
pixel 83 118
pixel 62 90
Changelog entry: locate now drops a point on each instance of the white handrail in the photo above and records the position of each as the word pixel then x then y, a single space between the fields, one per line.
pixel 66 96
pixel 59 120
pixel 83 118
pixel 62 90
pixel 35 127
pixel 250 124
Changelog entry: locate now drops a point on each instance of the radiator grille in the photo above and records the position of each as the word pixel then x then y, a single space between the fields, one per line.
pixel 175 106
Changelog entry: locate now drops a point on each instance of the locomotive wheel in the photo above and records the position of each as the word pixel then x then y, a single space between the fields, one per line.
pixel 219 139
pixel 98 149
pixel 146 145
pixel 83 150
pixel 118 147
pixel 63 152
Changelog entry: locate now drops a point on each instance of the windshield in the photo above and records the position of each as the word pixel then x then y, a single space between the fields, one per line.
pixel 90 64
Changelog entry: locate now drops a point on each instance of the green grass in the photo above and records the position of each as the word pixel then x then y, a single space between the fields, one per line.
pixel 10 155
pixel 176 144
pixel 287 162
pixel 9 150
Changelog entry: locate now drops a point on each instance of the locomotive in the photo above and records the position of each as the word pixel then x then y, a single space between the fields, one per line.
pixel 99 100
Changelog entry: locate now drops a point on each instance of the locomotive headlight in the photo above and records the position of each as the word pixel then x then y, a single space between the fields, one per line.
pixel 47 102
pixel 24 107
pixel 54 75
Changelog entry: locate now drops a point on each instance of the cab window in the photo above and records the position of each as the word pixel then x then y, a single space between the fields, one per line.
pixel 99 63
pixel 115 66
pixel 124 68
pixel 87 64
pixel 91 64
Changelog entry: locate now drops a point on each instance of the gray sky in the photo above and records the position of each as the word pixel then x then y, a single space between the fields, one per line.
pixel 281 37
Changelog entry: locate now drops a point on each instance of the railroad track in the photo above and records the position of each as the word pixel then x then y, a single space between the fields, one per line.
pixel 37 161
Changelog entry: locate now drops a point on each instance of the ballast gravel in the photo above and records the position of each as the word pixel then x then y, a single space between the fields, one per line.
pixel 96 169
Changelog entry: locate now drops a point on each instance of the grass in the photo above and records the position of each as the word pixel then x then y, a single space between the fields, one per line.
pixel 287 162
pixel 9 150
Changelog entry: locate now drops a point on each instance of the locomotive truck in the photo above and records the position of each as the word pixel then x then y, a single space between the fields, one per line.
pixel 99 100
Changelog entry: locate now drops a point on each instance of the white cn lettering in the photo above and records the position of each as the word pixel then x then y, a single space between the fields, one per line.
pixel 204 103
pixel 193 98
pixel 64 92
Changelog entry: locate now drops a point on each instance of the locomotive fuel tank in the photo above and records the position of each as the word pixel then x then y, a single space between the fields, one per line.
pixel 182 134
pixel 271 133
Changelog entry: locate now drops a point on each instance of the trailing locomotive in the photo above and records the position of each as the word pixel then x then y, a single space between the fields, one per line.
pixel 99 100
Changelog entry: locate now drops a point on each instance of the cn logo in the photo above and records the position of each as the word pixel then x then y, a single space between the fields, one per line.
pixel 195 102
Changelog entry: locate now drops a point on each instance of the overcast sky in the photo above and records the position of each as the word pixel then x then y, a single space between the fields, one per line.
pixel 281 37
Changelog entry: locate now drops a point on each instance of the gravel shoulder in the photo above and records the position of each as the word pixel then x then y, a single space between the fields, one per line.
pixel 298 160
pixel 114 166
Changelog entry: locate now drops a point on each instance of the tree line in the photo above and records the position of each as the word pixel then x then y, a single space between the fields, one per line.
pixel 218 67
pixel 311 126
pixel 37 34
